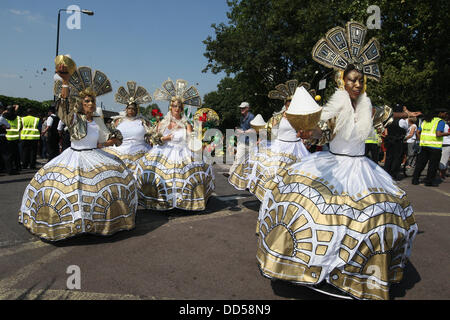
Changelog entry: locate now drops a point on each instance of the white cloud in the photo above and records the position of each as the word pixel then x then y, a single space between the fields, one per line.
pixel 19 13
pixel 31 17
pixel 9 75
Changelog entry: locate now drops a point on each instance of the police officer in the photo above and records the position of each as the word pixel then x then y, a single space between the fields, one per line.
pixel 29 135
pixel 393 142
pixel 4 155
pixel 12 138
pixel 53 134
pixel 431 133
pixel 64 135
pixel 373 146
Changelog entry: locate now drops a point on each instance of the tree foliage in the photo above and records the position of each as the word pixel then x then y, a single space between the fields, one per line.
pixel 266 42
pixel 38 108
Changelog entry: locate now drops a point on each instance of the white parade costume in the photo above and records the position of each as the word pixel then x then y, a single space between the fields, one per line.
pixel 84 189
pixel 169 176
pixel 336 217
pixel 284 148
pixel 135 130
pixel 262 164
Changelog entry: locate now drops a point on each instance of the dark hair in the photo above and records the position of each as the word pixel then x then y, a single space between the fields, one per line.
pixel 428 116
pixel 351 67
pixel 10 113
pixel 52 109
pixel 397 108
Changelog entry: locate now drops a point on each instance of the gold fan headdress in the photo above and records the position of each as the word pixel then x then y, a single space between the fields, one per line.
pixel 341 47
pixel 285 91
pixel 83 80
pixel 189 95
pixel 135 94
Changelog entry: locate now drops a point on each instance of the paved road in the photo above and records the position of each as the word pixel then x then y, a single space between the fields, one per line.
pixel 192 256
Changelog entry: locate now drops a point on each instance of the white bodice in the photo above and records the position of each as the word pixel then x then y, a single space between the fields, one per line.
pixel 351 147
pixel 286 132
pixel 178 136
pixel 133 131
pixel 91 138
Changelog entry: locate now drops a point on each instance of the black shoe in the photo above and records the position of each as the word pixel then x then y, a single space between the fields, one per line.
pixel 226 175
pixel 415 182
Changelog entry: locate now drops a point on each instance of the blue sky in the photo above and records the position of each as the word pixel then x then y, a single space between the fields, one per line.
pixel 146 41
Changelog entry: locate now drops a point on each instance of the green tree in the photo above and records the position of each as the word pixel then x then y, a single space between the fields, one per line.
pixel 38 108
pixel 266 42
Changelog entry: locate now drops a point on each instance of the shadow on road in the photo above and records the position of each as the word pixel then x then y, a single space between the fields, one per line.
pixel 410 278
pixel 252 205
pixel 148 221
pixel 145 222
pixel 289 290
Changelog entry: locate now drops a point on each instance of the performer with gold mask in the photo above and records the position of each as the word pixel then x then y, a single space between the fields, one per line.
pixel 84 189
pixel 169 176
pixel 135 128
pixel 283 147
pixel 336 221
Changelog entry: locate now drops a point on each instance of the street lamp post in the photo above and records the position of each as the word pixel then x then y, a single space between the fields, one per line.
pixel 88 12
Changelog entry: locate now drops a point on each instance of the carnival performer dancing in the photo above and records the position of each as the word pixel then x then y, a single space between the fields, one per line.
pixel 84 189
pixel 284 147
pixel 169 176
pixel 336 221
pixel 135 128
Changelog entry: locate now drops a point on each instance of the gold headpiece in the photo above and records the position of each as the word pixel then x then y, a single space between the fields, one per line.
pixel 285 91
pixel 134 95
pixel 82 79
pixel 341 47
pixel 189 96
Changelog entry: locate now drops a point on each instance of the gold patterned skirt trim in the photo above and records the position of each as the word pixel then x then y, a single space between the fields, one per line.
pixel 59 203
pixel 308 235
pixel 258 169
pixel 164 185
pixel 130 160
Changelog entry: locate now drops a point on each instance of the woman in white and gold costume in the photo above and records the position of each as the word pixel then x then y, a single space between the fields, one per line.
pixel 285 147
pixel 136 130
pixel 84 189
pixel 336 221
pixel 169 176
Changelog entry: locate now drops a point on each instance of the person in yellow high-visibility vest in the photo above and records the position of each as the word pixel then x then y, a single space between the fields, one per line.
pixel 12 138
pixel 373 146
pixel 29 135
pixel 431 133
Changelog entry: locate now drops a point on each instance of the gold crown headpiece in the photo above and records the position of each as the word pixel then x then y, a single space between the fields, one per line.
pixel 285 91
pixel 83 81
pixel 341 47
pixel 135 95
pixel 180 89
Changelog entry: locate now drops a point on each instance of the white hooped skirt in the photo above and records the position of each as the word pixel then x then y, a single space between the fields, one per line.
pixel 261 165
pixel 337 219
pixel 168 178
pixel 79 192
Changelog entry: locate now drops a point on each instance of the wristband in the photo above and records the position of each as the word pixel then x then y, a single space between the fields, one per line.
pixel 65 85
